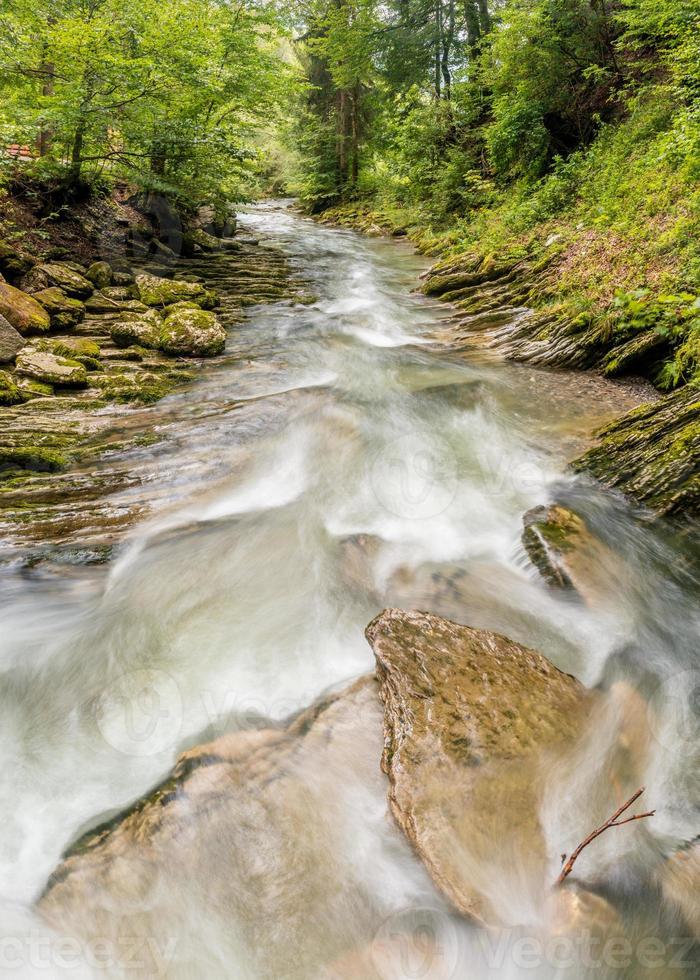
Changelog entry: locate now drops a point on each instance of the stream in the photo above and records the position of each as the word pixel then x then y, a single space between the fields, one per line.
pixel 338 459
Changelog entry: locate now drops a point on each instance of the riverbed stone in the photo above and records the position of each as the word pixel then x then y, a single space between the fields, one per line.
pixel 11 341
pixel 80 349
pixel 192 333
pixel 22 311
pixel 569 556
pixel 680 885
pixel 469 715
pixel 100 274
pixel 65 311
pixel 51 368
pixel 48 274
pixel 248 823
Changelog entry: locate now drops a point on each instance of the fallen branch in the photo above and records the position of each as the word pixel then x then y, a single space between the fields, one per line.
pixel 612 822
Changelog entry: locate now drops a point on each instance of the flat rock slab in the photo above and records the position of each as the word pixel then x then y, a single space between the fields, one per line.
pixel 51 368
pixel 470 717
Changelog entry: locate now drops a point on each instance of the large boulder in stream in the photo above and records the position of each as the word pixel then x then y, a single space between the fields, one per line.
pixel 253 828
pixel 468 715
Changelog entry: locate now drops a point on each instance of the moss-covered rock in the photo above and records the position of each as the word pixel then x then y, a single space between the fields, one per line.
pixel 80 349
pixel 98 303
pixel 652 454
pixel 65 311
pixel 48 274
pixel 13 262
pixel 37 458
pixel 138 386
pixel 10 393
pixel 22 311
pixel 10 341
pixel 192 333
pixel 207 242
pixel 50 368
pixel 140 329
pixel 33 389
pixel 154 291
pixel 99 274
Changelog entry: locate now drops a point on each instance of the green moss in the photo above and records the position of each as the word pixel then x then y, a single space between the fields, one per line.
pixel 139 387
pixel 35 458
pixel 10 393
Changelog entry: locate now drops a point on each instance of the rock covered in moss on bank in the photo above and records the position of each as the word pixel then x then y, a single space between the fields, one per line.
pixel 11 341
pixel 652 455
pixel 43 366
pixel 192 333
pixel 142 329
pixel 10 393
pixel 65 311
pixel 158 292
pixel 14 263
pixel 64 275
pixel 80 349
pixel 468 714
pixel 100 274
pixel 22 311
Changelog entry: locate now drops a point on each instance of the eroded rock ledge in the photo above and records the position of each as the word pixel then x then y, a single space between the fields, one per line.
pixel 652 455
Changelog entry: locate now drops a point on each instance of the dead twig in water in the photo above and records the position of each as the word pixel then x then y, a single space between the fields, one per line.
pixel 612 822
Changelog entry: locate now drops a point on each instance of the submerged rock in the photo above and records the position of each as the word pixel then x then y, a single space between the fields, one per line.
pixel 680 884
pixel 652 455
pixel 252 827
pixel 468 714
pixel 11 341
pixel 192 333
pixel 48 274
pixel 65 311
pixel 51 368
pixel 22 311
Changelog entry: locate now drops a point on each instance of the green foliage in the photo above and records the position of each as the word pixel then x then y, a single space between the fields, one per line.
pixel 167 93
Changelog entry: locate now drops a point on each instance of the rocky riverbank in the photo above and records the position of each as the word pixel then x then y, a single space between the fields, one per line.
pixel 86 347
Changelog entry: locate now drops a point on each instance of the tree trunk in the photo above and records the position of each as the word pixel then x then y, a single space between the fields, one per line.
pixel 76 158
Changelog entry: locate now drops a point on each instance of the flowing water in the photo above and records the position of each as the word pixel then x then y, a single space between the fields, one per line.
pixel 339 459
